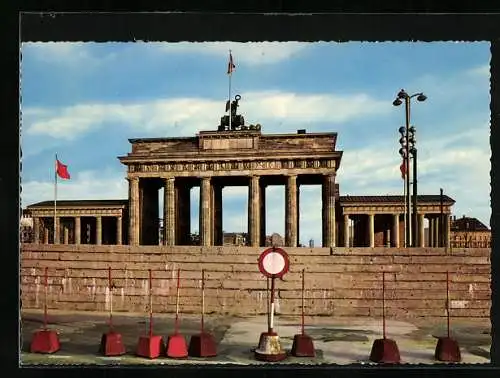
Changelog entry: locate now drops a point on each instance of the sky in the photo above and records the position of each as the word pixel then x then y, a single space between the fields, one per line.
pixel 84 101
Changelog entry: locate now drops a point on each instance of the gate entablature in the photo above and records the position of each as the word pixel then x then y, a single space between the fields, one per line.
pixel 234 153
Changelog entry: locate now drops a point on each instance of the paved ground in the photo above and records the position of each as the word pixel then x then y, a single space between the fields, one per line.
pixel 336 340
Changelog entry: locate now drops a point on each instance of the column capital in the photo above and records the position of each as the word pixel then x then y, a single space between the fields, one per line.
pixel 133 178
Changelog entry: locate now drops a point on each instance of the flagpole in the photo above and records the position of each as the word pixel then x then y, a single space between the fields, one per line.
pixel 55 199
pixel 404 202
pixel 230 71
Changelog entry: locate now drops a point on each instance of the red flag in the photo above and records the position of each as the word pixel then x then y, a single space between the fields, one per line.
pixel 402 168
pixel 230 65
pixel 62 170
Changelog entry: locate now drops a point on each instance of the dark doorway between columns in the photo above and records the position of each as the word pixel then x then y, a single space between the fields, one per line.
pixel 383 228
pixel 88 232
pixel 67 223
pixel 185 205
pixel 109 229
pixel 47 224
pixel 148 210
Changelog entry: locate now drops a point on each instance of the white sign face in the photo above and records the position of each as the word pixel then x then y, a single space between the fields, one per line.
pixel 273 263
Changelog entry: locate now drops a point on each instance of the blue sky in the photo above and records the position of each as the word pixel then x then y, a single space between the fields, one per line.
pixel 84 100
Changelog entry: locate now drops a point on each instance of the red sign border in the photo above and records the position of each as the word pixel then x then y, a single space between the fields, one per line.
pixel 282 253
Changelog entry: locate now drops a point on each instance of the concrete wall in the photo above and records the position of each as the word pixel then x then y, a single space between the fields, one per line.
pixel 342 282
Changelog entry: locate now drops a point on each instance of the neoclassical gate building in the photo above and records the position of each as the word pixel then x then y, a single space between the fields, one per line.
pixel 236 156
pixel 216 159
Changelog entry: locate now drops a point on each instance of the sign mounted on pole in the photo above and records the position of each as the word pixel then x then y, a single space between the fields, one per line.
pixel 273 263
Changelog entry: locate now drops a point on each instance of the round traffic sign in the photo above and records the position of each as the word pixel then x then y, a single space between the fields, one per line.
pixel 274 262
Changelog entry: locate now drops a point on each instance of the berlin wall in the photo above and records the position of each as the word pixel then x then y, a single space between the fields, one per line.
pixel 339 282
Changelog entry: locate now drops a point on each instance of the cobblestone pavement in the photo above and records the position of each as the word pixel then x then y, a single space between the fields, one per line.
pixel 336 340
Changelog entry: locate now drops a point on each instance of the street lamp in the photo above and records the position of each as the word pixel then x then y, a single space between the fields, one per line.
pixel 409 150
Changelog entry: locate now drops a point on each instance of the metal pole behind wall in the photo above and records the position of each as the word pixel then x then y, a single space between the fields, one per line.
pixel 408 203
pixel 415 220
pixel 441 220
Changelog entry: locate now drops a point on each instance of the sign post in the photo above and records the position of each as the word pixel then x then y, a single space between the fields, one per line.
pixel 273 263
pixel 303 345
pixel 202 344
pixel 45 340
pixel 447 348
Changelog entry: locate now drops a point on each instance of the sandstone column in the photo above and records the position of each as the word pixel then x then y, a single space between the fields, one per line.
pixel 262 213
pixel 395 230
pixel 218 238
pixel 346 230
pixel 371 230
pixel 119 223
pixel 57 236
pixel 253 211
pixel 291 211
pixel 212 213
pixel 133 224
pixel 65 234
pixel 447 225
pixel 430 231
pixel 421 232
pixel 36 230
pixel 437 228
pixel 205 216
pixel 328 191
pixel 298 215
pixel 98 230
pixel 169 211
pixel 45 235
pixel 353 231
pixel 78 230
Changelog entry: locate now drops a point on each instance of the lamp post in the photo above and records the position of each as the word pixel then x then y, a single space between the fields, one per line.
pixel 408 151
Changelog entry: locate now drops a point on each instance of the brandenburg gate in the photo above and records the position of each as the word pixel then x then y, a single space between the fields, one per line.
pixel 213 160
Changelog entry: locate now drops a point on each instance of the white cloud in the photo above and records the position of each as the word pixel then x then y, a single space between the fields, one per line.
pixel 185 116
pixel 462 170
pixel 69 54
pixel 102 184
pixel 55 50
pixel 252 53
pixel 483 70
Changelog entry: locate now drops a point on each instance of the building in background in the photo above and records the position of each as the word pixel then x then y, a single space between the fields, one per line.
pixel 275 240
pixel 469 232
pixel 26 227
pixel 235 238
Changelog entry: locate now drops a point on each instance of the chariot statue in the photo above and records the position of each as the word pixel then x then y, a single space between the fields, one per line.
pixel 234 121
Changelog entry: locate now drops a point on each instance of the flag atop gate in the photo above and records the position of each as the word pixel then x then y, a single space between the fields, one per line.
pixel 230 68
pixel 230 65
